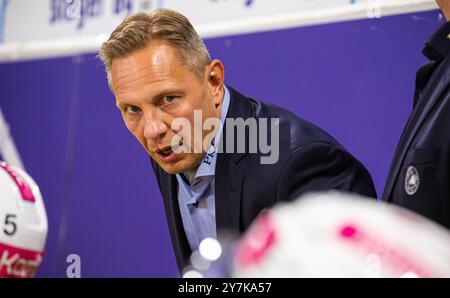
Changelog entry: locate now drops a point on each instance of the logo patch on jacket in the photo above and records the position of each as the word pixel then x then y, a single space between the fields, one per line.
pixel 412 180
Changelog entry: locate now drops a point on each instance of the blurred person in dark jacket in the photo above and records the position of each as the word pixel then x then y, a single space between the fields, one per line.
pixel 419 177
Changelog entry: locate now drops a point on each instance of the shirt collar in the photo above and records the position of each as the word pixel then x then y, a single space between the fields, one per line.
pixel 438 45
pixel 207 167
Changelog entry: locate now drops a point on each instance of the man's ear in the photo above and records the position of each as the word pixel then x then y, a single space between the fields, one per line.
pixel 215 77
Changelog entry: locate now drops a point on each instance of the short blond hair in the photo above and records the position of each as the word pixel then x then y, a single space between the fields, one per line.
pixel 138 30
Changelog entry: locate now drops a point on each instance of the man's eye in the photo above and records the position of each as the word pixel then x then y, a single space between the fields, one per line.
pixel 132 110
pixel 169 98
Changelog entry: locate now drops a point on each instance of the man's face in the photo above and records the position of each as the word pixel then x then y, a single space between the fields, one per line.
pixel 152 89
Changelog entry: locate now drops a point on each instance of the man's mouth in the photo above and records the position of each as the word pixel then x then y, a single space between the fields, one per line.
pixel 167 154
pixel 166 151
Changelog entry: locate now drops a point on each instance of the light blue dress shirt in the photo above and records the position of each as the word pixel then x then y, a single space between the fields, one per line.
pixel 199 221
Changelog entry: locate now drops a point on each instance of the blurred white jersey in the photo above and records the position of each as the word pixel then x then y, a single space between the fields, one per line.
pixel 342 235
pixel 23 223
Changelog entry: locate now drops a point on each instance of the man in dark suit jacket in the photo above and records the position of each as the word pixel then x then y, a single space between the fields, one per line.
pixel 162 76
pixel 419 177
pixel 309 160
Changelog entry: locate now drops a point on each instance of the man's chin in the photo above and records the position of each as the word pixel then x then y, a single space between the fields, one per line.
pixel 172 171
pixel 174 168
pixel 184 164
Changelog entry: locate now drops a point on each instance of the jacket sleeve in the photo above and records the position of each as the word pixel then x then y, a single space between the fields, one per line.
pixel 320 167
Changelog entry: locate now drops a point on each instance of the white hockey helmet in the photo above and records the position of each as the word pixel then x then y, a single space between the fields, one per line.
pixel 23 223
pixel 342 235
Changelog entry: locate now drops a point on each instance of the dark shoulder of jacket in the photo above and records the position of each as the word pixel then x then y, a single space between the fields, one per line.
pixel 293 129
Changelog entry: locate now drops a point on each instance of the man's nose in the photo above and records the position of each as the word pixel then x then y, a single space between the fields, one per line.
pixel 154 128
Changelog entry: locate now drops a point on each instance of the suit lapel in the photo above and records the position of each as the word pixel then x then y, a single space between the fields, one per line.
pixel 229 180
pixel 179 240
pixel 229 176
pixel 433 92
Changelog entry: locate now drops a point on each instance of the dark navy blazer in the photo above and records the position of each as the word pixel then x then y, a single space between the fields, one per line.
pixel 309 160
pixel 425 143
